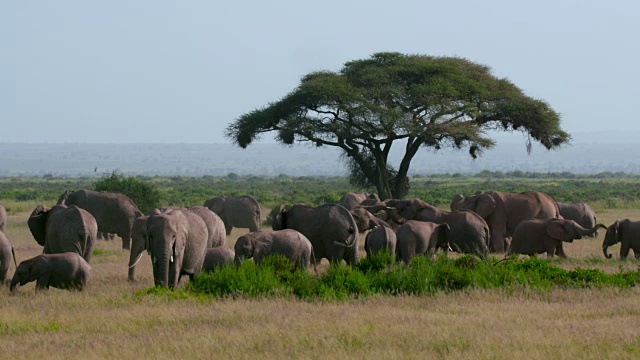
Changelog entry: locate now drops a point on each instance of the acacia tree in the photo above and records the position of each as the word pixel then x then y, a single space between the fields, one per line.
pixel 417 100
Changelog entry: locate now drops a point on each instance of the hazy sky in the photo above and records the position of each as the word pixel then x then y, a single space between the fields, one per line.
pixel 165 71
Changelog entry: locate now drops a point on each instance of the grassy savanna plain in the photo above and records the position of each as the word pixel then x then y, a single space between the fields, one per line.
pixel 111 319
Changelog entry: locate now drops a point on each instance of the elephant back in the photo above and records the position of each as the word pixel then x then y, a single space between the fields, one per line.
pixel 70 229
pixel 215 226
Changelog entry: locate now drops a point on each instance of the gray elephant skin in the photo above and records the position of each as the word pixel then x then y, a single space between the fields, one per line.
pixel 625 232
pixel 469 232
pixel 241 212
pixel 503 211
pixel 351 200
pixel 64 229
pixel 177 242
pixel 378 239
pixel 114 212
pixel 421 238
pixel 261 244
pixel 62 271
pixel 579 212
pixel 3 218
pixel 218 257
pixel 6 253
pixel 330 228
pixel 215 225
pixel 366 220
pixel 537 236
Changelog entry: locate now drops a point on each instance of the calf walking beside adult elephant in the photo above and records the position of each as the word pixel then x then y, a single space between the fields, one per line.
pixel 260 244
pixel 114 212
pixel 503 211
pixel 239 212
pixel 330 228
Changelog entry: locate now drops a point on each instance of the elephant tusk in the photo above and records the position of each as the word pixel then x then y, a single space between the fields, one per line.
pixel 171 259
pixel 137 260
pixel 449 248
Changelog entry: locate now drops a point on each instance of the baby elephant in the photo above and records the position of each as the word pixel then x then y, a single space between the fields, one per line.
pixel 627 233
pixel 536 236
pixel 380 238
pixel 421 237
pixel 217 257
pixel 260 244
pixel 62 271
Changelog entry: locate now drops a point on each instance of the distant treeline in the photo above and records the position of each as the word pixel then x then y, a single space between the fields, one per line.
pixel 607 190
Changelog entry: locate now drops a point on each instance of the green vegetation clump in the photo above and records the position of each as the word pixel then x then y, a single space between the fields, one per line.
pixel 276 277
pixel 144 194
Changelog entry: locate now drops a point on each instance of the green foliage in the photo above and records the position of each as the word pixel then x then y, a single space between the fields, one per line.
pixel 601 191
pixel 379 275
pixel 427 101
pixel 144 194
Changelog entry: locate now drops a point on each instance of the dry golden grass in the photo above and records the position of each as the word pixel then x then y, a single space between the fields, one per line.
pixel 108 321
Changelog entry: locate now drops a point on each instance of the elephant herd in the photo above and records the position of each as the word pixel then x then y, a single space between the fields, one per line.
pixel 187 241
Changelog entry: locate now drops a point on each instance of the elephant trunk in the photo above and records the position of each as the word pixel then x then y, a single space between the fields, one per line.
pixel 161 270
pixel 14 282
pixel 605 247
pixel 587 232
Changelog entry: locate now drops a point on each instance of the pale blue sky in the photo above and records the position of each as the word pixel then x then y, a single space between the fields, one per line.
pixel 161 71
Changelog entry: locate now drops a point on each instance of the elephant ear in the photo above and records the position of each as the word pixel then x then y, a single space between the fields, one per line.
pixel 38 267
pixel 277 223
pixel 217 204
pixel 557 229
pixel 38 224
pixel 619 231
pixel 485 205
pixel 456 202
pixel 443 236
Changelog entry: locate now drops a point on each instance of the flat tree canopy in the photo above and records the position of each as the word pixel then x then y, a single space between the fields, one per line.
pixel 415 100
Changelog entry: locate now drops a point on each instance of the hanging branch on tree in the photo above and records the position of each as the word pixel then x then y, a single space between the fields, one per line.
pixel 419 101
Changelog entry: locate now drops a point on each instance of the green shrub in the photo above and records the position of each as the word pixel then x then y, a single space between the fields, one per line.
pixel 144 194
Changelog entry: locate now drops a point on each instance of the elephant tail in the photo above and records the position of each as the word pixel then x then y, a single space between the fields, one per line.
pixel 313 257
pixel 13 252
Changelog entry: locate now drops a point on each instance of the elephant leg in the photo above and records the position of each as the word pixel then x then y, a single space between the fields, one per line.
pixel 228 228
pixel 351 254
pixel 42 283
pixel 497 244
pixel 99 237
pixel 126 240
pixel 560 250
pixel 624 250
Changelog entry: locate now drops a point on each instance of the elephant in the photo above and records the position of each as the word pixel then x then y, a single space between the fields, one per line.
pixel 64 229
pixel 380 238
pixel 177 242
pixel 503 211
pixel 421 237
pixel 63 271
pixel 3 218
pixel 351 200
pixel 240 212
pixel 579 212
pixel 469 232
pixel 261 244
pixel 114 212
pixel 215 226
pixel 217 257
pixel 6 253
pixel 626 232
pixel 536 236
pixel 138 244
pixel 330 228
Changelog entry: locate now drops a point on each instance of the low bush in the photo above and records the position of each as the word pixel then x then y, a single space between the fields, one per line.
pixel 378 274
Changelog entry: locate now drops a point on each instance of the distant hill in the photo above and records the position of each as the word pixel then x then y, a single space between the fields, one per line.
pixel 589 152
